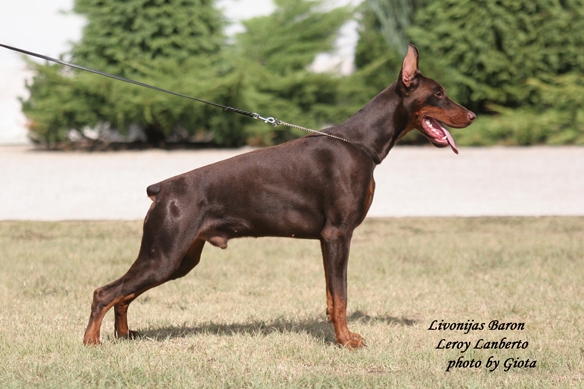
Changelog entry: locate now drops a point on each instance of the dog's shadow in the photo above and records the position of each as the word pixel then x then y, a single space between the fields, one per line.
pixel 318 328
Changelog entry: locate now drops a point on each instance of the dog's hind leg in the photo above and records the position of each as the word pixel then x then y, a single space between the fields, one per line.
pixel 189 261
pixel 166 242
pixel 125 288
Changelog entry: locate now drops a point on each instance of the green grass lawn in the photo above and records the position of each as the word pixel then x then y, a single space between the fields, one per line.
pixel 252 316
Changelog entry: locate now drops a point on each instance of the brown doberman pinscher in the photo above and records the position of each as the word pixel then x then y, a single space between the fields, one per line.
pixel 315 187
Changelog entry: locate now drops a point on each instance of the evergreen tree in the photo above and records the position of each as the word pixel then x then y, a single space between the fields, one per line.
pixel 392 19
pixel 119 33
pixel 379 52
pixel 276 52
pixel 486 51
pixel 521 59
pixel 174 44
pixel 377 60
pixel 290 38
pixel 179 45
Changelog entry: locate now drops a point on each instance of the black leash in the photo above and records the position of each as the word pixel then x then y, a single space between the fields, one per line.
pixel 269 120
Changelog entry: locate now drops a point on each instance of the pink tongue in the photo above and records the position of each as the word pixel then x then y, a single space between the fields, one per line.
pixel 450 140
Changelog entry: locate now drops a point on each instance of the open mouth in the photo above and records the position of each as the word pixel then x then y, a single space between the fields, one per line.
pixel 437 133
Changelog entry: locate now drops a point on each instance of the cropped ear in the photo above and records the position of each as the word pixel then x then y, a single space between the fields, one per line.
pixel 410 66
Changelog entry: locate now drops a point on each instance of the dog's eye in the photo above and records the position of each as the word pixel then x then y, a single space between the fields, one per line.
pixel 439 94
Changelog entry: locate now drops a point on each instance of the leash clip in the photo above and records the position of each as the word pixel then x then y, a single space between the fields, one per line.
pixel 269 120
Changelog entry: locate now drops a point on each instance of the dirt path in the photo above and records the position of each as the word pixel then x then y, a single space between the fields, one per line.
pixel 412 181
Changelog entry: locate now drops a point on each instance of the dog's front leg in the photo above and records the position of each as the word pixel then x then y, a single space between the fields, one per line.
pixel 335 245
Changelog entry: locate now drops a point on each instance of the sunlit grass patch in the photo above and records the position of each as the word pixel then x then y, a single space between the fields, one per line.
pixel 253 315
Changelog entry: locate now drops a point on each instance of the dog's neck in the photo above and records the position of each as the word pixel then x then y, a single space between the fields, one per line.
pixel 377 126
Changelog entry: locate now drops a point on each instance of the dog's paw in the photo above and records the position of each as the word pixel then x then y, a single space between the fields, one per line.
pixel 356 336
pixel 355 341
pixel 133 335
pixel 355 344
pixel 130 335
pixel 91 342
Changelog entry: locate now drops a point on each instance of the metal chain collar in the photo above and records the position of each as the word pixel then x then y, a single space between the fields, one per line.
pixel 276 122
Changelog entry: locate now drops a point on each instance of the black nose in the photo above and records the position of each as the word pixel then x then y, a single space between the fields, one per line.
pixel 471 116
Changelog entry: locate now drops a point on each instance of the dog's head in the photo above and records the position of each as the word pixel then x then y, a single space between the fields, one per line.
pixel 428 107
